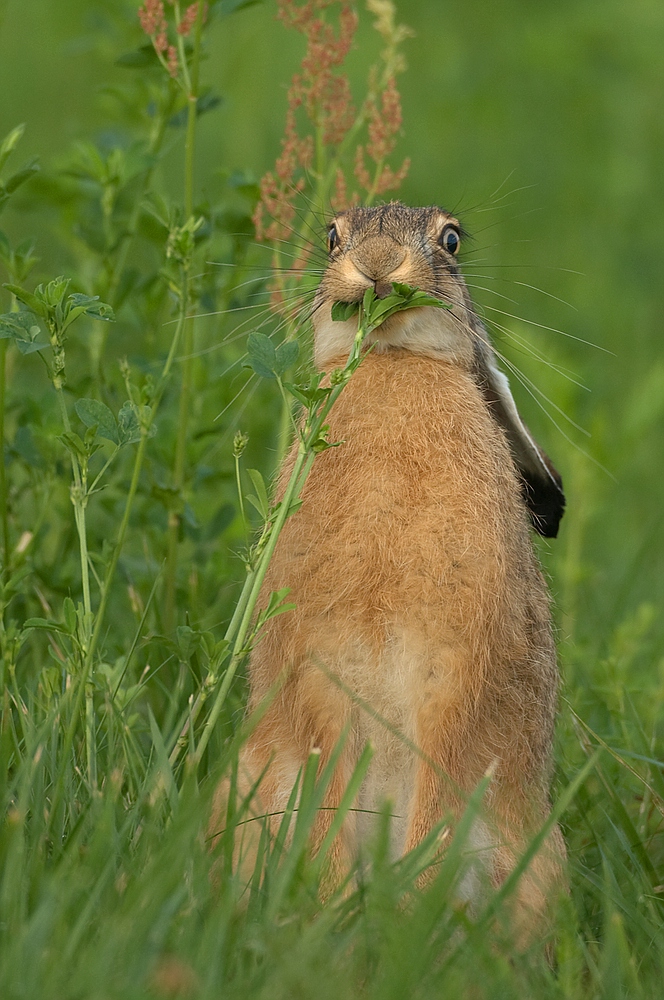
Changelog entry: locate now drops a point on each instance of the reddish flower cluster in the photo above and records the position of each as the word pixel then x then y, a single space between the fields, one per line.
pixel 154 23
pixel 325 96
pixel 189 19
pixel 323 93
pixel 384 124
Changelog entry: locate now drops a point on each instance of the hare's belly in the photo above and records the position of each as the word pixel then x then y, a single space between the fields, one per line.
pixel 389 687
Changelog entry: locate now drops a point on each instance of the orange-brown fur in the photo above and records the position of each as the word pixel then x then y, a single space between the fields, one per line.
pixel 415 582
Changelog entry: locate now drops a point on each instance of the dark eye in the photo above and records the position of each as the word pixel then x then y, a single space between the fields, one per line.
pixel 450 239
pixel 332 238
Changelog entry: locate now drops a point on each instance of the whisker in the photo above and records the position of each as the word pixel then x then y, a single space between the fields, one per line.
pixel 552 329
pixel 527 382
pixel 569 440
pixel 565 372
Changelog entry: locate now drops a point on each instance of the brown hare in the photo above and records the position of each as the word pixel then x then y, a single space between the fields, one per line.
pixel 413 572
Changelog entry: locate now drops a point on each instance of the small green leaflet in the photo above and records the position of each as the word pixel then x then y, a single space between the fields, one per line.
pixel 276 606
pixel 260 499
pixel 267 360
pixel 9 143
pixel 92 413
pixel 129 422
pixel 22 328
pixel 341 311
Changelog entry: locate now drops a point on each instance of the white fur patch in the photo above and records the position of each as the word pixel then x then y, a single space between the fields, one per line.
pixel 429 332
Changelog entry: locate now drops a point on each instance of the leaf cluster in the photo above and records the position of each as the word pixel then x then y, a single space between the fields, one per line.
pixel 376 310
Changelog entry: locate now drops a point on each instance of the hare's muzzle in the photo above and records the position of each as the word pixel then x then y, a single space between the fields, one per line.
pixel 377 258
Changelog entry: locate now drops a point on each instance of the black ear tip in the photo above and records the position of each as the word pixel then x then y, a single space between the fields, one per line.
pixel 546 504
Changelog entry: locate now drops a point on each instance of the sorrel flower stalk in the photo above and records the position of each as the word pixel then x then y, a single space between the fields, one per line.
pixel 309 180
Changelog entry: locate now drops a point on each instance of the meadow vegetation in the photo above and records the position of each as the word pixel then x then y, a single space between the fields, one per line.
pixel 154 353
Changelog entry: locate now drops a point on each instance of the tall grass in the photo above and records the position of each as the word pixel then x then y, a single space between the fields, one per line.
pixel 133 554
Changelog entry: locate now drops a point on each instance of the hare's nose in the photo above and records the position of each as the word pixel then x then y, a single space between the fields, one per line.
pixel 378 257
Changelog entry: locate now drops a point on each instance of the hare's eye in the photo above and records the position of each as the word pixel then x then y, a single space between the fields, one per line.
pixel 332 238
pixel 450 239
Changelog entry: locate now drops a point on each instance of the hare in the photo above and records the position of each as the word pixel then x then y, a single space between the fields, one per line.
pixel 410 562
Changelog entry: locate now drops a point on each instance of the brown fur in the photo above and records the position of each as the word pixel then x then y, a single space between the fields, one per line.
pixel 415 581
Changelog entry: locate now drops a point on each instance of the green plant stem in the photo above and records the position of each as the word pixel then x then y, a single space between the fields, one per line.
pixel 6 551
pixel 179 468
pixel 240 498
pixel 238 634
pixel 212 678
pixel 79 500
pixel 239 651
pixel 286 421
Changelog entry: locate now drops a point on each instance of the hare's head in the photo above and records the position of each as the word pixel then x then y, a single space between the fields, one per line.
pixel 374 247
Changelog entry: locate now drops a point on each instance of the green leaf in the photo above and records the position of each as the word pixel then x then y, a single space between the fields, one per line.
pixel 276 606
pixel 402 297
pixel 260 501
pixel 74 445
pixel 9 143
pixel 286 356
pixel 43 623
pixel 21 176
pixel 19 324
pixel 69 615
pixel 92 412
pixel 31 301
pixel 206 102
pixel 29 346
pixel 93 306
pixel 187 641
pixel 368 300
pixel 78 305
pixel 404 290
pixel 342 311
pixel 129 422
pixel 262 355
pixel 163 772
pixel 54 292
pixel 299 394
pixel 312 393
pixel 128 425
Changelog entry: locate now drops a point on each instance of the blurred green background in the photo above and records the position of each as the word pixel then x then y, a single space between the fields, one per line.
pixel 541 125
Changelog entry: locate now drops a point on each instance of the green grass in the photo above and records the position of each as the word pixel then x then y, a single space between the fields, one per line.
pixel 109 886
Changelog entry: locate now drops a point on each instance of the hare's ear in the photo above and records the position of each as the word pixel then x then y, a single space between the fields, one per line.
pixel 541 484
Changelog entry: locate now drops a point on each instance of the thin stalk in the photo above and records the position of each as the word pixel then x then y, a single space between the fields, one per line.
pixel 138 464
pixel 303 464
pixel 79 500
pixel 156 140
pixel 179 469
pixel 212 678
pixel 238 629
pixel 252 598
pixel 286 422
pixel 240 498
pixel 6 551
